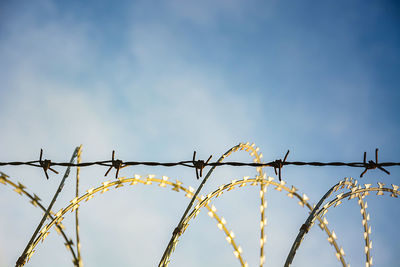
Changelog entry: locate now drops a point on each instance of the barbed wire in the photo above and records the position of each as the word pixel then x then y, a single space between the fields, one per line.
pixel 204 200
pixel 199 165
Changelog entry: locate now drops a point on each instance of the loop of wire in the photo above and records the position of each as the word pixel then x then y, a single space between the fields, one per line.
pixel 199 165
pixel 203 202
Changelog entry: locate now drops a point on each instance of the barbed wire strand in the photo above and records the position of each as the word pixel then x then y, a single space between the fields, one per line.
pixel 199 165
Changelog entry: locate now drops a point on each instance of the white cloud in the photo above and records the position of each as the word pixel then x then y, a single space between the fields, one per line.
pixel 150 101
pixel 46 106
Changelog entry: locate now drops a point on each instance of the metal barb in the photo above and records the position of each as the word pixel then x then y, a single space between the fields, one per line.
pixel 199 165
pixel 370 165
pixel 117 164
pixel 278 164
pixel 25 254
pixel 46 164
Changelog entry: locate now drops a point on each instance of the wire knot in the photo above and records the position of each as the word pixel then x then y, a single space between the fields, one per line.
pixel 278 164
pixel 199 165
pixel 370 165
pixel 117 164
pixel 46 165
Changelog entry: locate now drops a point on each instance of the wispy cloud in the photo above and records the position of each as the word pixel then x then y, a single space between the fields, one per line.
pixel 159 81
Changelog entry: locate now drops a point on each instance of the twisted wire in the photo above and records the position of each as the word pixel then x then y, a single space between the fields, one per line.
pixel 200 164
pixel 317 213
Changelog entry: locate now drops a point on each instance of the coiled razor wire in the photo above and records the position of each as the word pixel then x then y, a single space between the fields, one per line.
pixel 317 213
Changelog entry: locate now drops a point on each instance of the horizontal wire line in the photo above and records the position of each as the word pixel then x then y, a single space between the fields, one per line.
pixel 189 163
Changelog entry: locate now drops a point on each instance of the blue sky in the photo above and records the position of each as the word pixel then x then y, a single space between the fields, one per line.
pixel 155 80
